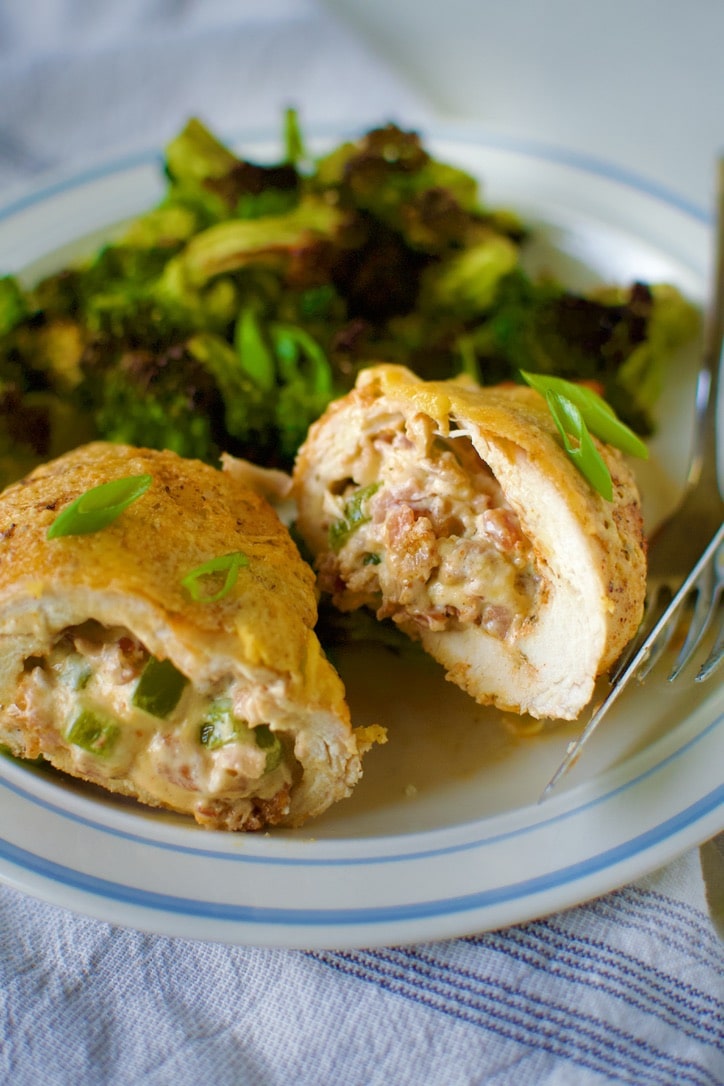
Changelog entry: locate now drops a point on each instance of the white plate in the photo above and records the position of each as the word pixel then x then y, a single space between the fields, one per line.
pixel 444 836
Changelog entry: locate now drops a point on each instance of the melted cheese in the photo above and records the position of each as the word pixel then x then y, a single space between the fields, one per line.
pixel 97 670
pixel 436 545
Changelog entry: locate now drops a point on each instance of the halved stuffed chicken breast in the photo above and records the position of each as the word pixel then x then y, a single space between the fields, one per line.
pixel 454 511
pixel 169 655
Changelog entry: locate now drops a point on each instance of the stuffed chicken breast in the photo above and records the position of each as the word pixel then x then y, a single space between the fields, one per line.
pixel 455 511
pixel 169 653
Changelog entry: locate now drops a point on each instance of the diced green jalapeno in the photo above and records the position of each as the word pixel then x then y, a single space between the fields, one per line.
pixel 354 516
pixel 160 688
pixel 93 732
pixel 267 741
pixel 220 727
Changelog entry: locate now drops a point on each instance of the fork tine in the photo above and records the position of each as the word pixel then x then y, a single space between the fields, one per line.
pixel 713 660
pixel 707 602
pixel 655 607
pixel 657 649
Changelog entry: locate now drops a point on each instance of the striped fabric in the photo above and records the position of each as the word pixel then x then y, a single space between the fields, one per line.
pixel 626 989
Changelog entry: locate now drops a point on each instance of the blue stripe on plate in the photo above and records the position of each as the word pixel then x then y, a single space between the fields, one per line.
pixel 547 152
pixel 309 861
pixel 192 907
pixel 64 184
pixel 579 160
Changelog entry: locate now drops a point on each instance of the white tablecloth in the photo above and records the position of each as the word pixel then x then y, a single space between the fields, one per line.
pixel 628 988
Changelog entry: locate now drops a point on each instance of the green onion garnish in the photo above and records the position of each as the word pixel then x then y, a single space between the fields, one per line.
pixel 578 411
pixel 159 688
pixel 92 732
pixel 599 417
pixel 99 506
pixel 579 445
pixel 230 564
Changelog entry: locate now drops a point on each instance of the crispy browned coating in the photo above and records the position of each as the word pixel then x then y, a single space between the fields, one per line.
pixel 129 575
pixel 590 553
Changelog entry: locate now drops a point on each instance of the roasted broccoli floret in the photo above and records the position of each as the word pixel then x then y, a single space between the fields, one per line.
pixel 210 180
pixel 433 206
pixel 620 339
pixel 227 317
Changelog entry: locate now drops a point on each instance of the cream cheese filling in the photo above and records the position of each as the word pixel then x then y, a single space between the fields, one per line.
pixel 81 697
pixel 421 532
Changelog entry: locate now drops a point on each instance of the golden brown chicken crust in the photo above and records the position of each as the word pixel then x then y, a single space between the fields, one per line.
pixel 129 575
pixel 187 517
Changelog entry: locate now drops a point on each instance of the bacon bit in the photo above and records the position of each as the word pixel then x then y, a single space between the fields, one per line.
pixel 410 544
pixel 502 527
pixel 133 656
pixel 224 814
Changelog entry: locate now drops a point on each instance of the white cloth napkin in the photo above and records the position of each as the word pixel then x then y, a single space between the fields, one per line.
pixel 80 80
pixel 625 989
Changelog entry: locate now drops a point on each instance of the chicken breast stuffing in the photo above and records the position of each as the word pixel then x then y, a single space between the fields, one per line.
pixel 207 696
pixel 454 511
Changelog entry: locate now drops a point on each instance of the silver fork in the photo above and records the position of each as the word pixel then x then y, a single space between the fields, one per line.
pixel 686 554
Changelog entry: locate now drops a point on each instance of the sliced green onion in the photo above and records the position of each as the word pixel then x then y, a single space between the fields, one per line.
pixel 99 506
pixel 600 418
pixel 230 564
pixel 93 732
pixel 579 444
pixel 354 516
pixel 159 688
